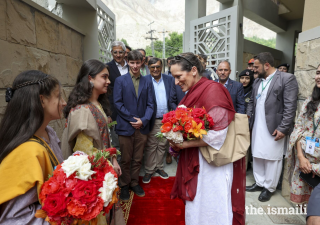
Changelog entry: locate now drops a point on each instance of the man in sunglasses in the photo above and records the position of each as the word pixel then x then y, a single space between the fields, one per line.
pixel 155 149
pixel 118 67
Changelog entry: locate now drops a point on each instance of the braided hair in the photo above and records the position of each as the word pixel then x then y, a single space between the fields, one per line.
pixel 24 113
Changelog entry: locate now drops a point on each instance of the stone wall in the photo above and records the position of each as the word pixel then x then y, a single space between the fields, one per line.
pixel 29 40
pixel 307 61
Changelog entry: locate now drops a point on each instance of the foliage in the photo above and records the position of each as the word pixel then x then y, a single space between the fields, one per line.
pixel 173 45
pixel 124 41
pixel 269 43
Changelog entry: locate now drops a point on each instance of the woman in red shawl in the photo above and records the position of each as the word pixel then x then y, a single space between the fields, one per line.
pixel 210 193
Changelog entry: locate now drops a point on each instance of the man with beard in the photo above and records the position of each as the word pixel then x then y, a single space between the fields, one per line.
pixel 271 109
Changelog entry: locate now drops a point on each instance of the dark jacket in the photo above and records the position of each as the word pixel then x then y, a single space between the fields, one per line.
pixel 168 82
pixel 176 95
pixel 113 74
pixel 235 89
pixel 129 105
pixel 280 104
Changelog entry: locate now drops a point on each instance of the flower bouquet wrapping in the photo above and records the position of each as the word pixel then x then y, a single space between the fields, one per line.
pixel 185 124
pixel 80 189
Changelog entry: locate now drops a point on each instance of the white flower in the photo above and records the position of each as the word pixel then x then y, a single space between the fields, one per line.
pixel 176 137
pixel 79 153
pixel 79 164
pixel 85 172
pixel 109 185
pixel 182 106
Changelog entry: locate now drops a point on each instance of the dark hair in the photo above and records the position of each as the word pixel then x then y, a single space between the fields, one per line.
pixel 313 104
pixel 187 61
pixel 154 60
pixel 169 58
pixel 141 49
pixel 129 48
pixel 135 55
pixel 83 89
pixel 24 114
pixel 205 57
pixel 265 57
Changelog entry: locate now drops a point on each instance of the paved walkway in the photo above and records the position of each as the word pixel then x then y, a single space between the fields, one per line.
pixel 254 216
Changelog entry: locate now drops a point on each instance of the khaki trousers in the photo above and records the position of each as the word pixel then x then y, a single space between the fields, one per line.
pixel 155 150
pixel 131 148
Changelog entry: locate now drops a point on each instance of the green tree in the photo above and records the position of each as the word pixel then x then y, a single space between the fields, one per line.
pixel 173 46
pixel 124 41
pixel 269 42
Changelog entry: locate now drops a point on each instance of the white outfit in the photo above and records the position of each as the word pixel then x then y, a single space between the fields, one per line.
pixel 212 203
pixel 123 69
pixel 267 153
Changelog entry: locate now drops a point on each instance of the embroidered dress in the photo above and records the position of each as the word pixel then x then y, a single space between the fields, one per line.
pixel 301 191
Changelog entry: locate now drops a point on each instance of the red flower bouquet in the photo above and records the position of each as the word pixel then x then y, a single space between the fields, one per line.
pixel 185 124
pixel 80 189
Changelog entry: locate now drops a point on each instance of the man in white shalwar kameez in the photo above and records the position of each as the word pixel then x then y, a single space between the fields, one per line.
pixel 271 111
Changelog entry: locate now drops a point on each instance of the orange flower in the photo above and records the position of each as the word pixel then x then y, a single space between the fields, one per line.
pixel 166 127
pixel 196 129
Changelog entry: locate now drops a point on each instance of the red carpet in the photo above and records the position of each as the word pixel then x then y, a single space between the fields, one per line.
pixel 156 208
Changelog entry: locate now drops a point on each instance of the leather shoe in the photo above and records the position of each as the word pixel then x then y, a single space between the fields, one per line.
pixel 169 158
pixel 265 195
pixel 253 188
pixel 138 190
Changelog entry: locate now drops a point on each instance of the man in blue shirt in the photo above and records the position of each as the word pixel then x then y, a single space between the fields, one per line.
pixel 155 148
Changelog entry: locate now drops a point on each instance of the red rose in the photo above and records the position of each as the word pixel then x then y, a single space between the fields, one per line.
pixel 55 204
pixel 198 112
pixel 49 187
pixel 93 210
pixel 169 117
pixel 178 128
pixel 187 126
pixel 166 127
pixel 76 208
pixel 71 182
pixel 85 191
pixel 210 120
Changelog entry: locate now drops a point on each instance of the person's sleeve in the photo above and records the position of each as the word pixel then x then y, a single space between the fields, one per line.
pixel 118 102
pixel 84 143
pixel 250 103
pixel 173 97
pixel 241 105
pixel 150 107
pixel 290 98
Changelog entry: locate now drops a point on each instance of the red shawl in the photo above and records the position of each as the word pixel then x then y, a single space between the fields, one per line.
pixel 207 94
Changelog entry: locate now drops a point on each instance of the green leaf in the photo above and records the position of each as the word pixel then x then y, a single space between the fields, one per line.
pixel 112 124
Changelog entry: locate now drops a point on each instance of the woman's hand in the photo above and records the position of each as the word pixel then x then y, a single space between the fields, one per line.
pixel 305 165
pixel 177 147
pixel 109 120
pixel 116 166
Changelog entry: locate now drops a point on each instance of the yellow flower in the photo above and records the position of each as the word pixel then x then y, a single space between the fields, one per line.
pixel 196 129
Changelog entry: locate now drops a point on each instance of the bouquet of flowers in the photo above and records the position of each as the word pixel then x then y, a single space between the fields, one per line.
pixel 185 124
pixel 80 189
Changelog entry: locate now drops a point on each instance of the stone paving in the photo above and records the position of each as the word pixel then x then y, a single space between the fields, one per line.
pixel 264 218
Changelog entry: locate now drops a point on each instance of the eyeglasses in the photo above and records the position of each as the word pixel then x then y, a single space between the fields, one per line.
pixel 116 52
pixel 179 57
pixel 155 67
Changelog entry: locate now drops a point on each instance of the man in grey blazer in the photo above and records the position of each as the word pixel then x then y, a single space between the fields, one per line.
pixel 271 109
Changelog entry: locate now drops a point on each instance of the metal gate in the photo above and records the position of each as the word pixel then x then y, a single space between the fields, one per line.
pixel 216 36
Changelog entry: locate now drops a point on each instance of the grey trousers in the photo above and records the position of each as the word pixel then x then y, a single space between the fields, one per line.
pixel 155 150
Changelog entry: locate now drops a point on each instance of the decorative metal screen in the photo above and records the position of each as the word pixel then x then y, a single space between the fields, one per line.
pixel 215 36
pixel 106 28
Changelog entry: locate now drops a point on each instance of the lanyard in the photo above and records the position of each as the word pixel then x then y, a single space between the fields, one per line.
pixel 315 126
pixel 266 84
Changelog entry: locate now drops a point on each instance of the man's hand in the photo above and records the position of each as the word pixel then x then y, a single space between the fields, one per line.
pixel 138 124
pixel 278 135
pixel 116 166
